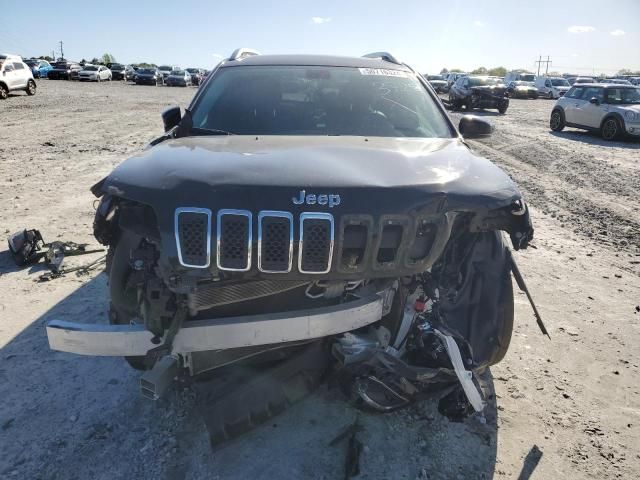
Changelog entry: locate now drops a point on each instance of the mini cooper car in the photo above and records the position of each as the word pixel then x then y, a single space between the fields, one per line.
pixel 613 110
pixel 479 92
pixel 309 202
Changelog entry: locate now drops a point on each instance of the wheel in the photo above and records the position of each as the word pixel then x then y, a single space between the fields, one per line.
pixel 31 87
pixel 550 95
pixel 610 129
pixel 4 93
pixel 452 102
pixel 502 107
pixel 123 306
pixel 556 122
pixel 469 104
pixel 99 79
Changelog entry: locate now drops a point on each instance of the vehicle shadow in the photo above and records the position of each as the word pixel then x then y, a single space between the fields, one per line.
pixel 593 138
pixel 67 416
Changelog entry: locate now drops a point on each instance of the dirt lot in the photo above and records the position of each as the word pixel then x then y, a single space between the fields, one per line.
pixel 568 407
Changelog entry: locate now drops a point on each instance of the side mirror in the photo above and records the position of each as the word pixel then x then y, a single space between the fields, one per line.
pixel 472 126
pixel 594 100
pixel 171 117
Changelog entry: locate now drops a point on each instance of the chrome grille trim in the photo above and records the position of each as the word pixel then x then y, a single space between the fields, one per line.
pixel 176 226
pixel 240 213
pixel 275 214
pixel 316 216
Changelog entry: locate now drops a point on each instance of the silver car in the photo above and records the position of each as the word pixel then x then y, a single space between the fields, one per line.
pixel 610 109
pixel 179 78
pixel 94 73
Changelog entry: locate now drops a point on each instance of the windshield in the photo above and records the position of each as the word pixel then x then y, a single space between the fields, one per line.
pixel 91 68
pixel 60 65
pixel 192 70
pixel 117 66
pixel 435 77
pixel 559 82
pixel 622 95
pixel 149 71
pixel 527 77
pixel 179 73
pixel 312 100
pixel 482 81
pixel 165 68
pixel 31 63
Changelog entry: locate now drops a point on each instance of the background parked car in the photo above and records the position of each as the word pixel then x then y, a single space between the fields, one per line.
pixel 197 75
pixel 610 109
pixel 178 78
pixel 479 92
pixel 149 76
pixel 94 73
pixel 117 71
pixel 39 68
pixel 64 71
pixel 438 83
pixel 452 77
pixel 15 75
pixel 130 73
pixel 616 81
pixel 552 87
pixel 522 89
pixel 166 70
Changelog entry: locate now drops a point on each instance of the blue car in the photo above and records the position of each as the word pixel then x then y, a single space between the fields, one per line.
pixel 39 68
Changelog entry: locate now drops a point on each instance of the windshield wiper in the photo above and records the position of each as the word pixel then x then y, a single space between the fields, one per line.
pixel 209 131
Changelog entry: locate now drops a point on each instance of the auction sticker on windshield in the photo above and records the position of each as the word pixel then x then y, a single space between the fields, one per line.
pixel 382 71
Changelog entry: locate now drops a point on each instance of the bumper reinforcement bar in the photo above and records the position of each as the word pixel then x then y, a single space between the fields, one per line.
pixel 216 334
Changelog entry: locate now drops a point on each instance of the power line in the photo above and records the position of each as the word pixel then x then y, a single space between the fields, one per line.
pixel 540 62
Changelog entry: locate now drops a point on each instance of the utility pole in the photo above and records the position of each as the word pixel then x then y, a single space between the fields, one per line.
pixel 61 50
pixel 540 61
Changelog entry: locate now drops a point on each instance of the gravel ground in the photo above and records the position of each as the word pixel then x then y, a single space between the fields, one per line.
pixel 568 407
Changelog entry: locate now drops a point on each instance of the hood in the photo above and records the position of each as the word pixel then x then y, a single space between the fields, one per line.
pixel 381 174
pixel 490 88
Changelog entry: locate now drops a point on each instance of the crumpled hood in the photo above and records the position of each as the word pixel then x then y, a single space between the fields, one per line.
pixel 490 89
pixel 200 170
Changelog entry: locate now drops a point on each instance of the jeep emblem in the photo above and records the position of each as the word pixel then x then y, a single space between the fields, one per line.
pixel 313 199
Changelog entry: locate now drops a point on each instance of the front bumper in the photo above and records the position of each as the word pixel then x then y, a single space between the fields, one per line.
pixel 632 128
pixel 219 333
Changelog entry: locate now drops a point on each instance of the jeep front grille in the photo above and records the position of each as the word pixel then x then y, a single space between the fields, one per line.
pixel 193 236
pixel 316 242
pixel 234 240
pixel 389 243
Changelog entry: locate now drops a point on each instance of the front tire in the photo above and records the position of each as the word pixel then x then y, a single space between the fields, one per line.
pixel 4 92
pixel 123 306
pixel 550 95
pixel 610 129
pixel 557 122
pixel 502 107
pixel 31 88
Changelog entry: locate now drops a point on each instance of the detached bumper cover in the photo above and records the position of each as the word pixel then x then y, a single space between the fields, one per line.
pixel 216 334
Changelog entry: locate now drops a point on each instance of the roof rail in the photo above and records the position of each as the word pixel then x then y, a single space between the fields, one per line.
pixel 240 53
pixel 386 56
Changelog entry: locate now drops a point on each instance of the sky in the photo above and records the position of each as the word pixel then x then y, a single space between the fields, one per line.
pixel 583 37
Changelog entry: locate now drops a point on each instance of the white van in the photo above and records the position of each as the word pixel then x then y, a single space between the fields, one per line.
pixel 552 87
pixel 15 75
pixel 519 76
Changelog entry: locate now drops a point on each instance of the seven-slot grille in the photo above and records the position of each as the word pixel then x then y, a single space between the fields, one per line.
pixel 193 236
pixel 395 242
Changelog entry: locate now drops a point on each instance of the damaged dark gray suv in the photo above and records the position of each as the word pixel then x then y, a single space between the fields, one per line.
pixel 310 204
